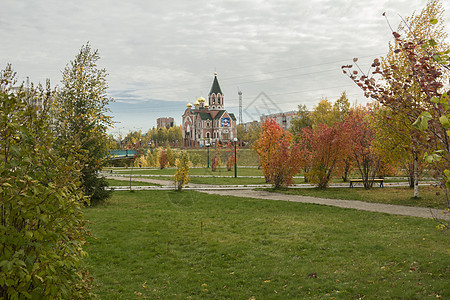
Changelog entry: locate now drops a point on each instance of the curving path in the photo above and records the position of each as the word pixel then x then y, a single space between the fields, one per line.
pixel 248 192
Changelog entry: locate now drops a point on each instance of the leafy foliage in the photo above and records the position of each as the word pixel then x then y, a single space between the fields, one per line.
pixel 418 92
pixel 82 121
pixel 163 159
pixel 361 135
pixel 170 156
pixel 328 145
pixel 278 155
pixel 231 156
pixel 216 160
pixel 181 176
pixel 302 120
pixel 41 222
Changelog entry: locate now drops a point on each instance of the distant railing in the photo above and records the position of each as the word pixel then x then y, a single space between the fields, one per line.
pixel 119 153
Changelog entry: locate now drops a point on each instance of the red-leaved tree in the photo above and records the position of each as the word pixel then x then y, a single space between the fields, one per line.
pixel 361 136
pixel 278 155
pixel 328 148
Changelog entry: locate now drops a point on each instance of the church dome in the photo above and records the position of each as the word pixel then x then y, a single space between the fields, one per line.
pixel 189 105
pixel 196 103
pixel 206 105
pixel 201 100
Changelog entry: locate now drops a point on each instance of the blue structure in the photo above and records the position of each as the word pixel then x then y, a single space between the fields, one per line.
pixel 118 153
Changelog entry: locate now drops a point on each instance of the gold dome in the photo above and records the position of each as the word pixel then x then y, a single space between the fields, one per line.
pixel 201 100
pixel 189 105
pixel 206 105
pixel 196 103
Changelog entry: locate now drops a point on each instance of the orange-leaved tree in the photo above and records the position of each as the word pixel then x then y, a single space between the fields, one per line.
pixel 163 160
pixel 231 156
pixel 328 148
pixel 278 155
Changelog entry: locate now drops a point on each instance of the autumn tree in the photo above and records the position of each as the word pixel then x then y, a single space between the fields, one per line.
pixel 328 147
pixel 394 139
pixel 216 160
pixel 323 113
pixel 163 159
pixel 181 177
pixel 361 136
pixel 278 155
pixel 410 76
pixel 170 156
pixel 41 218
pixel 82 120
pixel 328 113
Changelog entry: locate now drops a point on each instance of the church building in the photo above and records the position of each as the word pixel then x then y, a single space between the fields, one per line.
pixel 205 123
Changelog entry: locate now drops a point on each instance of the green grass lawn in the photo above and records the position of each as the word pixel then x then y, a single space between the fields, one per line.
pixel 225 180
pixel 387 195
pixel 114 182
pixel 189 245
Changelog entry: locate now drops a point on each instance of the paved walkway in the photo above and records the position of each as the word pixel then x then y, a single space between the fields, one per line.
pixel 248 192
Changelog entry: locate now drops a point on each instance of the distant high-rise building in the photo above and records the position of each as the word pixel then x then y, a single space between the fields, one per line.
pixel 284 119
pixel 165 122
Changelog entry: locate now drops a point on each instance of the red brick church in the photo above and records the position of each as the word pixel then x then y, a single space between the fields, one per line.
pixel 206 123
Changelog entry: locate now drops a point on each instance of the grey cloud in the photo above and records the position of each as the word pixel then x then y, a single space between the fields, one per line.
pixel 169 50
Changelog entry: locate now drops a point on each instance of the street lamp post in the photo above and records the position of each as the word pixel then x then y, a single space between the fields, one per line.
pixel 235 158
pixel 208 144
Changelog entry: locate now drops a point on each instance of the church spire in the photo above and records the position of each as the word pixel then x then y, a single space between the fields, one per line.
pixel 215 95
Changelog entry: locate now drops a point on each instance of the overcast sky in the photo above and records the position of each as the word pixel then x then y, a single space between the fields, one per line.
pixel 160 55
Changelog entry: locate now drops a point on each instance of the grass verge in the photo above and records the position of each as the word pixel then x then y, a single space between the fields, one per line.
pixel 189 245
pixel 115 182
pixel 386 195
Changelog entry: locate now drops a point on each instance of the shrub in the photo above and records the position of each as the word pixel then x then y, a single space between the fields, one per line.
pixel 163 160
pixel 181 176
pixel 41 222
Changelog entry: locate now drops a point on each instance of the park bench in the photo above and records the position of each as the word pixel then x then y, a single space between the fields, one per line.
pixel 380 180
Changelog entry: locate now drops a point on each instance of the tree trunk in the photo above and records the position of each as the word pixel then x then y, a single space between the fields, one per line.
pixel 411 174
pixel 416 175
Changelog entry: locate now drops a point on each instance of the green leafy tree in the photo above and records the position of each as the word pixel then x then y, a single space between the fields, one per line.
pixel 302 120
pixel 41 221
pixel 341 108
pixel 82 120
pixel 252 132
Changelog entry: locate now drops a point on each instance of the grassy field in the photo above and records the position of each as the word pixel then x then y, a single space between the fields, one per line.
pixel 169 245
pixel 387 195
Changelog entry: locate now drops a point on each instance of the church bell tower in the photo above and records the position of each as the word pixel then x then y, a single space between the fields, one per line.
pixel 215 96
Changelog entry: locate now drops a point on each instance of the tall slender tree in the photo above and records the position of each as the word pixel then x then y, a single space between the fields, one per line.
pixel 82 118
